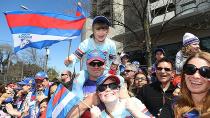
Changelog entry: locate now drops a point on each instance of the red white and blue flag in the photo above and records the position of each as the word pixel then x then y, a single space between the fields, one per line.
pixel 61 103
pixel 41 29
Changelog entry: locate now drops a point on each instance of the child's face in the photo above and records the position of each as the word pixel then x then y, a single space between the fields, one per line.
pixel 159 55
pixel 43 106
pixel 113 67
pixel 100 33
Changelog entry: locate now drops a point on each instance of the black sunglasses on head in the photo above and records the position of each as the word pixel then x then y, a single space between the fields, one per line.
pixel 103 87
pixel 160 69
pixel 99 64
pixel 191 69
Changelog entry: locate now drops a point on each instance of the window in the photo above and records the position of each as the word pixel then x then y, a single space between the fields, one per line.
pixel 188 5
pixel 152 1
pixel 162 10
pixel 205 44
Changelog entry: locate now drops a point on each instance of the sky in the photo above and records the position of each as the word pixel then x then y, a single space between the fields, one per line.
pixel 58 51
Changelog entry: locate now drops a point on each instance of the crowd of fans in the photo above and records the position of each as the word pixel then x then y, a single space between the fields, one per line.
pixel 111 86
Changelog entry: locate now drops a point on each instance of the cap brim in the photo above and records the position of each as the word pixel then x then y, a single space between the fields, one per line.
pixel 95 59
pixel 22 83
pixel 101 19
pixel 113 77
pixel 116 79
pixel 38 78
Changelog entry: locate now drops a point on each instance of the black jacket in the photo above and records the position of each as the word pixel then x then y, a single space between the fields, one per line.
pixel 154 98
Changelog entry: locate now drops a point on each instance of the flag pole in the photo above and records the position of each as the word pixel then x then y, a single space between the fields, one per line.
pixel 69 48
pixel 46 61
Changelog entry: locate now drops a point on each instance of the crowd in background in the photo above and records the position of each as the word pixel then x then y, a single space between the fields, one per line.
pixel 111 86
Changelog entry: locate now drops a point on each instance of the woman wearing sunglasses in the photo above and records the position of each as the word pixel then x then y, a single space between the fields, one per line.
pixel 194 101
pixel 108 92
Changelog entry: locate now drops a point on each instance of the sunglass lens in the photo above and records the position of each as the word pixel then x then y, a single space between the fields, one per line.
pixel 101 88
pixel 189 69
pixel 99 64
pixel 205 71
pixel 113 86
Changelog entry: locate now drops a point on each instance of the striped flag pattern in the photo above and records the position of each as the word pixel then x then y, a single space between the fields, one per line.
pixel 61 103
pixel 41 29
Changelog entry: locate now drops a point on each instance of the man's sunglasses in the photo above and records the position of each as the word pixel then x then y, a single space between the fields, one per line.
pixel 127 71
pixel 160 69
pixel 103 87
pixel 191 69
pixel 63 74
pixel 99 64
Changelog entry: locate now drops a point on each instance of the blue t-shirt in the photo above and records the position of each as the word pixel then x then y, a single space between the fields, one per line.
pixel 88 45
pixel 120 113
pixel 89 87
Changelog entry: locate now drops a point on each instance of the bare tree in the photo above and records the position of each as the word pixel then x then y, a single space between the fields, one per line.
pixel 5 53
pixel 140 16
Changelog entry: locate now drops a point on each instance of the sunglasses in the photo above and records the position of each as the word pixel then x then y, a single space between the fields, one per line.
pixel 127 71
pixel 63 74
pixel 99 64
pixel 160 69
pixel 140 78
pixel 191 69
pixel 103 87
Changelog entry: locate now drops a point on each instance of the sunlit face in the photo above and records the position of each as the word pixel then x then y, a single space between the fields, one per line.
pixel 140 80
pixel 43 106
pixel 95 71
pixel 194 47
pixel 64 76
pixel 159 55
pixel 113 67
pixel 26 88
pixel 39 84
pixel 124 60
pixel 8 89
pixel 109 95
pixel 53 89
pixel 100 34
pixel 129 73
pixel 196 83
pixel 164 72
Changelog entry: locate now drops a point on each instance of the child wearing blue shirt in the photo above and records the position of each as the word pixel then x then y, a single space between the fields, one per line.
pixel 98 41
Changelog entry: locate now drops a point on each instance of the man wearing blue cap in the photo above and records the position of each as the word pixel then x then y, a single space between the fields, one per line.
pixel 98 40
pixel 84 86
pixel 42 82
pixel 25 104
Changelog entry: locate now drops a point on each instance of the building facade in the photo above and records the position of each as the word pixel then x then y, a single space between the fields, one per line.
pixel 169 20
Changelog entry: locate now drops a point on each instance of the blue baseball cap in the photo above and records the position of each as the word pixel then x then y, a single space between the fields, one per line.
pixel 27 81
pixel 41 75
pixel 101 19
pixel 96 55
pixel 103 78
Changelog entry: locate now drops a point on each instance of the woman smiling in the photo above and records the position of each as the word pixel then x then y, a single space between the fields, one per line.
pixel 195 88
pixel 108 92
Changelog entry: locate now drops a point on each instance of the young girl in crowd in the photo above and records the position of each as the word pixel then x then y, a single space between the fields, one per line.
pixel 98 40
pixel 194 101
